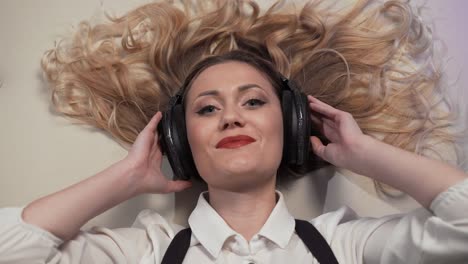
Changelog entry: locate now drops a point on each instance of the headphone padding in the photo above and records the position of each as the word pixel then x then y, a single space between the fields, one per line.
pixel 289 142
pixel 176 144
pixel 302 116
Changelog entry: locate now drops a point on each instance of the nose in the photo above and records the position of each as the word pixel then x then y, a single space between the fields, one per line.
pixel 231 118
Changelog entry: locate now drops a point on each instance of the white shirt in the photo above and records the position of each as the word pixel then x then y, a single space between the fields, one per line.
pixel 418 237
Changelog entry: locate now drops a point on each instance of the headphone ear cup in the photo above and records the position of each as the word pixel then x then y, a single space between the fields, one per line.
pixel 289 144
pixel 183 149
pixel 175 144
pixel 302 114
pixel 297 125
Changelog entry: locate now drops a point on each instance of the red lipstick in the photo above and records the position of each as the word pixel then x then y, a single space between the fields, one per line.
pixel 235 141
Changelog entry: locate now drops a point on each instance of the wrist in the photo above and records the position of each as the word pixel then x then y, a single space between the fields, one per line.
pixel 359 161
pixel 129 178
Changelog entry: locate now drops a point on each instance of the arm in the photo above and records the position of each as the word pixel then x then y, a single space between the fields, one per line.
pixel 351 149
pixel 69 209
pixel 438 235
pixel 140 172
pixel 421 177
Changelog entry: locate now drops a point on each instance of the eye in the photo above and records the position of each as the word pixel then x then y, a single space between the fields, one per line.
pixel 206 109
pixel 254 102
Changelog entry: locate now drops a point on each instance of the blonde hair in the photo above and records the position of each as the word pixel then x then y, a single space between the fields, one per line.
pixel 373 60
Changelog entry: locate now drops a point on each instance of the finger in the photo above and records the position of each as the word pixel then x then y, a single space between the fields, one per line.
pixel 317 101
pixel 324 109
pixel 317 147
pixel 315 119
pixel 156 152
pixel 328 122
pixel 157 144
pixel 177 186
pixel 313 99
pixel 152 124
pixel 321 121
pixel 324 152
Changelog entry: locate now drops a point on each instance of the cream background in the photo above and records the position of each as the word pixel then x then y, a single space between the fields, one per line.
pixel 41 152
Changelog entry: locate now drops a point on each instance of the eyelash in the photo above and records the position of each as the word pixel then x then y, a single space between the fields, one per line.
pixel 203 110
pixel 258 101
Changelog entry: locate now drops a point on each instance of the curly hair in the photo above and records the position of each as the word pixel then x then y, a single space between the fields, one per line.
pixel 374 60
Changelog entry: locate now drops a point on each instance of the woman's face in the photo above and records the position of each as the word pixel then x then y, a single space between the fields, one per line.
pixel 229 100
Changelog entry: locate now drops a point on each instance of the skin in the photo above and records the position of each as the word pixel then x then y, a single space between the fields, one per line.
pixel 255 112
pixel 241 183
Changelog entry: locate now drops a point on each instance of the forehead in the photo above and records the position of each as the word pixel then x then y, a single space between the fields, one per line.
pixel 228 75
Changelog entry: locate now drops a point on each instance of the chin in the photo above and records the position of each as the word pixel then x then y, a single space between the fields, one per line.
pixel 239 168
pixel 243 181
pixel 246 170
pixel 243 161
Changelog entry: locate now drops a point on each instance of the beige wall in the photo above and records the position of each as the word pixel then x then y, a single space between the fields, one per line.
pixel 41 153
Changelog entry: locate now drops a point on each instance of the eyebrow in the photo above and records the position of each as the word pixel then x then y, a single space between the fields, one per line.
pixel 240 88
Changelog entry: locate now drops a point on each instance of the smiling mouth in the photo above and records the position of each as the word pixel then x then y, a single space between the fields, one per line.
pixel 236 141
pixel 236 144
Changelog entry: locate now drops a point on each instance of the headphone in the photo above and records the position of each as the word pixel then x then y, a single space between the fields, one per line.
pixel 296 124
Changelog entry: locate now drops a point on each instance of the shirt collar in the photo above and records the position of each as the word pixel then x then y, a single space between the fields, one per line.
pixel 280 225
pixel 210 229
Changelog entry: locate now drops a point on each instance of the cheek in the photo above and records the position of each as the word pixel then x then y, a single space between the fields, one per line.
pixel 277 128
pixel 198 135
pixel 194 134
pixel 272 128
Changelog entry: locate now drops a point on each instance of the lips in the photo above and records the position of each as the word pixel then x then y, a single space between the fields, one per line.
pixel 235 142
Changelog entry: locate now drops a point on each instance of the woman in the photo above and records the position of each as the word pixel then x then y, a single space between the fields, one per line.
pixel 241 217
pixel 241 204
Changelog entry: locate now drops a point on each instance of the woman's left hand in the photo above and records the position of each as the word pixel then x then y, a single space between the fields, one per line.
pixel 340 128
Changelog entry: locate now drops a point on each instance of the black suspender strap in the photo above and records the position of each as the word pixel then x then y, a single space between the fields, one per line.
pixel 315 242
pixel 178 248
pixel 311 237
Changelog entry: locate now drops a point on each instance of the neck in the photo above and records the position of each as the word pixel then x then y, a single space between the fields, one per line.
pixel 245 212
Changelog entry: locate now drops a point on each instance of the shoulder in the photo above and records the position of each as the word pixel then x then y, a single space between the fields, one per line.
pixel 148 237
pixel 347 233
pixel 150 218
pixel 345 220
pixel 158 229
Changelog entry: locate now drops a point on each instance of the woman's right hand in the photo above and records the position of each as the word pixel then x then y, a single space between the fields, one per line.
pixel 145 158
pixel 139 172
